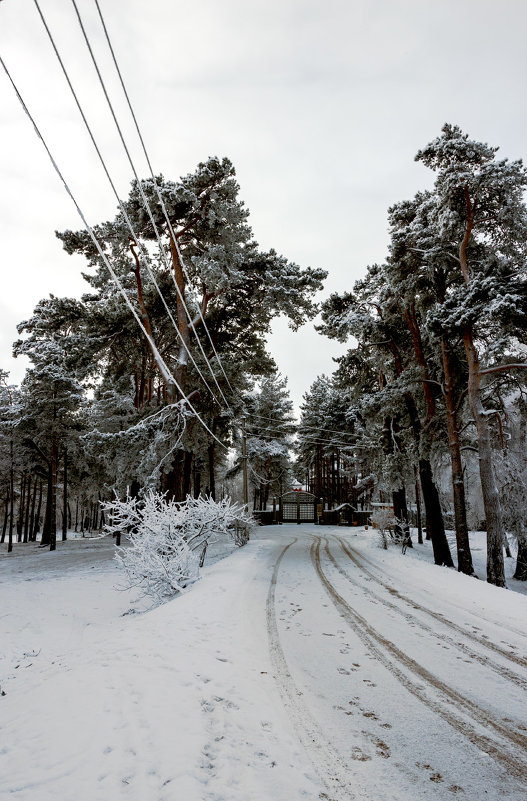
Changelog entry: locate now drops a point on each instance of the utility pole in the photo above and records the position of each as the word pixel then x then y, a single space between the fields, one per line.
pixel 244 465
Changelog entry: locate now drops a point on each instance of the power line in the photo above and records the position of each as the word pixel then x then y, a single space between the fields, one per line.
pixel 315 440
pixel 162 203
pixel 301 426
pixel 165 370
pixel 144 199
pixel 121 206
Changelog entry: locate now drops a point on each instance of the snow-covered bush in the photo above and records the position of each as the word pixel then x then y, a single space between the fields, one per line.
pixel 168 540
pixel 383 519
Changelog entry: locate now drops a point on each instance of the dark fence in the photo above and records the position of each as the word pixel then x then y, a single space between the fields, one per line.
pixel 266 518
pixel 345 517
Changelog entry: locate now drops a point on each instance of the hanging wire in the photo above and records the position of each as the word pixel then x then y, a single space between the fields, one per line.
pixel 145 200
pixel 121 205
pixel 315 440
pixel 302 426
pixel 165 370
pixel 260 478
pixel 162 203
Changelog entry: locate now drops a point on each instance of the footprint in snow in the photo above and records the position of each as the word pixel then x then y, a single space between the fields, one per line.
pixel 359 755
pixel 383 750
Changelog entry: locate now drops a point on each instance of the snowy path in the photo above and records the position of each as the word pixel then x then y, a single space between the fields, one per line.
pixel 307 665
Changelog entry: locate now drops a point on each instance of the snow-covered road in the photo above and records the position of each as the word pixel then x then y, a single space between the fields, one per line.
pixel 309 664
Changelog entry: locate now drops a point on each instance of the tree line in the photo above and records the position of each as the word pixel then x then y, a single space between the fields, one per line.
pixel 109 406
pixel 435 371
pixel 437 359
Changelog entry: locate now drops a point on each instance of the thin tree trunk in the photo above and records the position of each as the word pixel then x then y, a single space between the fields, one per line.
pixel 53 506
pixel 400 511
pixel 11 503
pixel 212 478
pixel 11 497
pixel 32 513
pixel 21 508
pixel 182 319
pixel 197 481
pixel 418 509
pixel 435 527
pixel 6 518
pixel 28 508
pixel 187 473
pixel 489 489
pixel 46 529
pixel 464 556
pixel 521 560
pixel 65 498
pixel 36 518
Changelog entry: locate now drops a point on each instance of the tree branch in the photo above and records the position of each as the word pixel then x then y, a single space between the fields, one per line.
pixel 500 368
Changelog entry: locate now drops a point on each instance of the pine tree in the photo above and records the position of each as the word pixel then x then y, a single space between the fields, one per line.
pixel 50 401
pixel 482 223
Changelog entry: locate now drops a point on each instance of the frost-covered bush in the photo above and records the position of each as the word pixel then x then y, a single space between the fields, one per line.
pixel 383 520
pixel 168 540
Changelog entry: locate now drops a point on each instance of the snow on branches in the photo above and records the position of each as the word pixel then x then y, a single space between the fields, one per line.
pixel 168 540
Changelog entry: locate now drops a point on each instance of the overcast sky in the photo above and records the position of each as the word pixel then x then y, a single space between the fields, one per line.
pixel 321 106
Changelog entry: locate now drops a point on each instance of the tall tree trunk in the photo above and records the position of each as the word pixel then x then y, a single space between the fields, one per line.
pixel 28 507
pixel 182 319
pixel 46 530
pixel 435 527
pixel 489 489
pixel 173 481
pixel 53 506
pixel 211 450
pixel 11 499
pixel 36 519
pixel 187 473
pixel 65 498
pixel 400 511
pixel 464 556
pixel 6 518
pixel 32 512
pixel 418 508
pixel 197 479
pixel 21 508
pixel 521 560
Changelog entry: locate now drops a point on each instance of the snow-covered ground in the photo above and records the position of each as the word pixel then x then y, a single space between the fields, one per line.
pixel 309 664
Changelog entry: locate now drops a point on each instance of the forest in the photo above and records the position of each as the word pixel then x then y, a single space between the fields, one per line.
pixel 159 378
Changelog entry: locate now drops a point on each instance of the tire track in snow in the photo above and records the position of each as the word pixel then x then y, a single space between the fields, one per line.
pixel 327 763
pixel 360 561
pixel 452 702
pixel 503 671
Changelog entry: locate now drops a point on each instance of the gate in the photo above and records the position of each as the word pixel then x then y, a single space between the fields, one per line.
pixel 298 507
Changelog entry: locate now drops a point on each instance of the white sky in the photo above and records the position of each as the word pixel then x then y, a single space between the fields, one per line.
pixel 321 106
